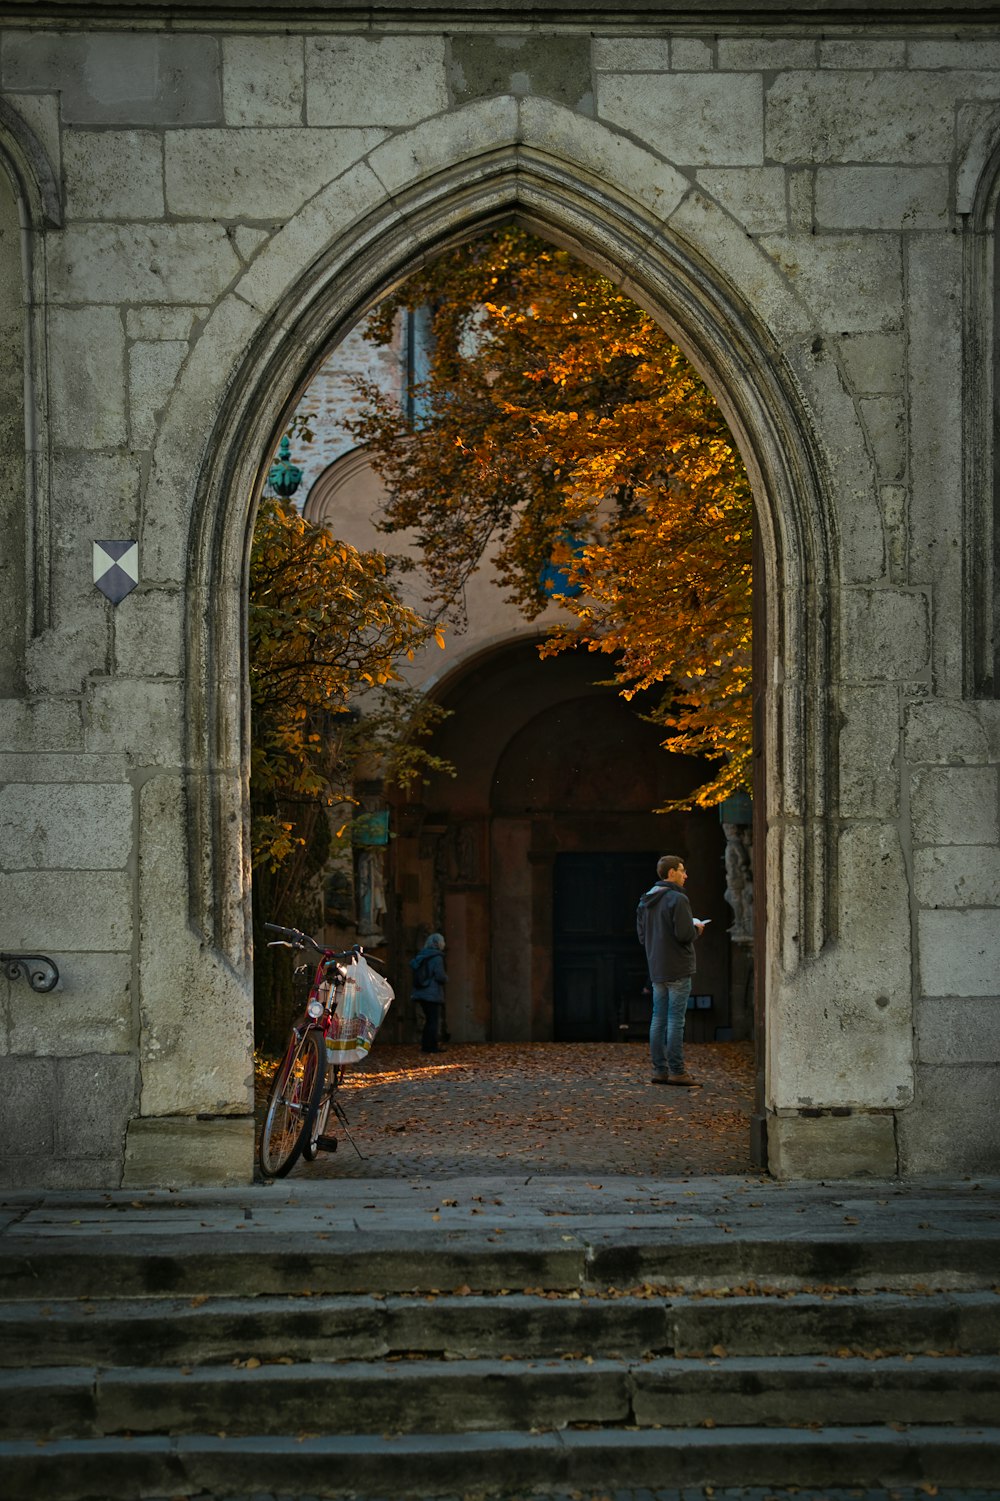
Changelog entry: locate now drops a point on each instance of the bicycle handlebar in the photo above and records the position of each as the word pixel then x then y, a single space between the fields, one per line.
pixel 298 939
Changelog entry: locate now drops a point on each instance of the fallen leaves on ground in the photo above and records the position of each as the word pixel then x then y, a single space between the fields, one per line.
pixel 504 1108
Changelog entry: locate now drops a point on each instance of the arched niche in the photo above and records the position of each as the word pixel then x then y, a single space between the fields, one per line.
pixel 978 203
pixel 29 204
pixel 672 276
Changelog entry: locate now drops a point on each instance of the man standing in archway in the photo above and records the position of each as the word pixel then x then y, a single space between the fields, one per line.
pixel 667 930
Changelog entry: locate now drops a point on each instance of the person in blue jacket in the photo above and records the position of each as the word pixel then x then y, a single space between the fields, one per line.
pixel 429 979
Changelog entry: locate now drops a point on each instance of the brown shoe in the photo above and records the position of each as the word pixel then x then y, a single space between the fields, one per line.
pixel 684 1078
pixel 660 1079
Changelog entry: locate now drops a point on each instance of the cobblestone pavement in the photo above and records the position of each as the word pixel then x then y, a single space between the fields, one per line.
pixel 545 1109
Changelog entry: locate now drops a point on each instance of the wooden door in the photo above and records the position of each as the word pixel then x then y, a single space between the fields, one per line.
pixel 599 970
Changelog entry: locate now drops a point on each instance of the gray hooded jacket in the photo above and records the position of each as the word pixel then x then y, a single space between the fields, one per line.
pixel 666 930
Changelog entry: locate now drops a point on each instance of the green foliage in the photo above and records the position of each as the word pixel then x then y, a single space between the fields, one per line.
pixel 564 427
pixel 327 631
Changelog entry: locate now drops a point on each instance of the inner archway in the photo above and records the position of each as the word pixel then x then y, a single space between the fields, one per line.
pixel 533 857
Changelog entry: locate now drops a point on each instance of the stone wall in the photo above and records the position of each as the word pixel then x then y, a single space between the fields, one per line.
pixel 807 205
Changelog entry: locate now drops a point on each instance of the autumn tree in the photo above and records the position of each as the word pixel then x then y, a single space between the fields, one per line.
pixel 563 433
pixel 327 632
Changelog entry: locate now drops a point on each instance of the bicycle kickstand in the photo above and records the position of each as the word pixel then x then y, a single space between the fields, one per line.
pixel 342 1118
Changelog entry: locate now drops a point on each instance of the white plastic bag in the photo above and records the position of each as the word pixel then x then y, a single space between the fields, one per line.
pixel 361 1010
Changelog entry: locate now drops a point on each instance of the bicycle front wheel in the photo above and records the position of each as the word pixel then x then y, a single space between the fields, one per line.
pixel 292 1104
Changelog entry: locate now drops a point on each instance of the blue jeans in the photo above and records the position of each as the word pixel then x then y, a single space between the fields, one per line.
pixel 667 1026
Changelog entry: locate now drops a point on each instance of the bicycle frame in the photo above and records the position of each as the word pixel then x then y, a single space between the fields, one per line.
pixel 303 1091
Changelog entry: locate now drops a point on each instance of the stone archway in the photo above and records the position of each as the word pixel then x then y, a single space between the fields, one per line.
pixel 552 178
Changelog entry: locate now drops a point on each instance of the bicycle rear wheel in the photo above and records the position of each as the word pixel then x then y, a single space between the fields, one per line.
pixel 292 1104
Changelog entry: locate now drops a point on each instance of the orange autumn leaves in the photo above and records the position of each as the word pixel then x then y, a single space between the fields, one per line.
pixel 563 432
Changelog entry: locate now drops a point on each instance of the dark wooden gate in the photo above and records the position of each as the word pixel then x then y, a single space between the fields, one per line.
pixel 599 970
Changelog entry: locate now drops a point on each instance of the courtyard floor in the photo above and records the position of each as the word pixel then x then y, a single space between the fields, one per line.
pixel 541 1109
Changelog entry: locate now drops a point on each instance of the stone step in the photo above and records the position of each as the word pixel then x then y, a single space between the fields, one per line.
pixel 349 1261
pixel 433 1396
pixel 505 1462
pixel 197 1330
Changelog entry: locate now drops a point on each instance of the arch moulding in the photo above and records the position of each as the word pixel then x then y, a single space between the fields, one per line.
pixel 672 277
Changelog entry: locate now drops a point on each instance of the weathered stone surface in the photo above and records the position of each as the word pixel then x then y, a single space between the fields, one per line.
pixel 118 78
pixel 196 1013
pixel 946 732
pixel 89 1012
pixel 79 827
pixel 768 54
pixel 142 719
pixel 858 117
pixel 893 502
pixel 87 375
pixel 862 52
pixel 257 174
pixel 936 460
pixel 41 114
pixel 954 805
pixel 869 753
pixel 551 67
pixel 689 54
pixel 743 262
pixel 948 52
pixel 958 1029
pixel 547 127
pixel 163 322
pixel 851 475
pixel 100 1097
pixel 755 196
pixel 180 1152
pixel 94 496
pixel 882 197
pixel 884 634
pixel 67 910
pixel 194 401
pixel 32 725
pixel 26 1130
pixel 959 875
pixel 959 953
pixel 954 1124
pixel 885 423
pixel 152 375
pixel 846 1022
pixel 41 767
pixel 466 134
pixel 149 637
pixel 648 55
pixel 873 361
pixel 851 1146
pixel 119 263
pixel 692 119
pixel 61 660
pixel 114 174
pixel 293 248
pixel 389 80
pixel 850 283
pixel 263 80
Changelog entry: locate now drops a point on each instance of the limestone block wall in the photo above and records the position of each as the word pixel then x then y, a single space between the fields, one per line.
pixel 207 209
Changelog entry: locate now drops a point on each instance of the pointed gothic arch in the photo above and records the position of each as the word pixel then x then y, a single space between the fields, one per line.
pixel 29 205
pixel 978 203
pixel 672 271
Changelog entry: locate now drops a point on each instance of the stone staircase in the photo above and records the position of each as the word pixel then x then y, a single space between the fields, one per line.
pixel 453 1361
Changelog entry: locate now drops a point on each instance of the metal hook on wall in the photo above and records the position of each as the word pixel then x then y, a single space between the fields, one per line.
pixel 39 970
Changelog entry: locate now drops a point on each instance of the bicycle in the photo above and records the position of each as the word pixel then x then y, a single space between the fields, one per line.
pixel 303 1092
